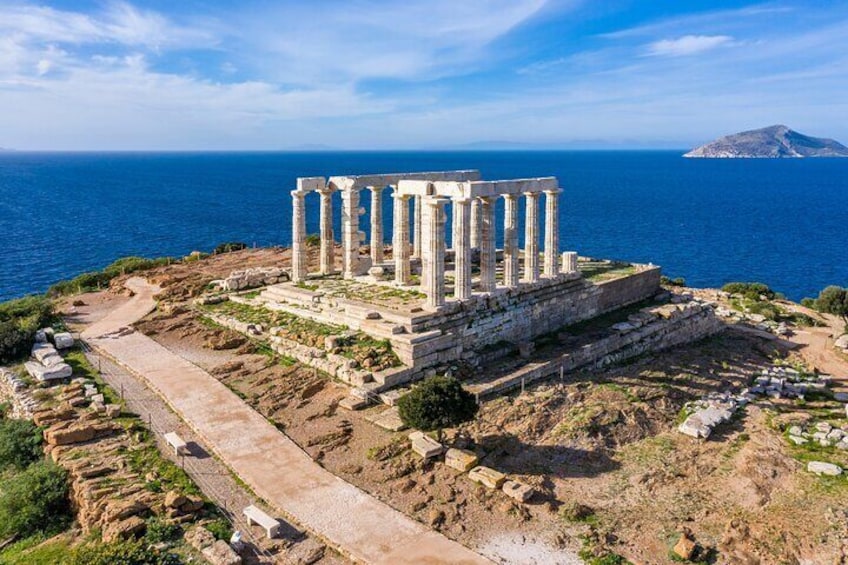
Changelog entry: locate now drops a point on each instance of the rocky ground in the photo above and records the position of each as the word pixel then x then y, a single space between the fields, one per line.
pixel 601 448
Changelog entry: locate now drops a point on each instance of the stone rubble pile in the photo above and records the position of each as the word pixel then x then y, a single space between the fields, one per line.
pixel 716 408
pixel 466 462
pixel 821 433
pixel 14 388
pixel 47 364
pixel 842 342
pixel 757 320
pixel 786 382
pixel 252 278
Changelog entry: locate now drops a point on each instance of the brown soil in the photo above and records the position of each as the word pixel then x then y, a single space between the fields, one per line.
pixel 601 442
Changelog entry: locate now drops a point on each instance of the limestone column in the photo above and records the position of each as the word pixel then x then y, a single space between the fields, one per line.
pixel 531 237
pixel 328 250
pixel 400 238
pixel 462 248
pixel 434 252
pixel 350 232
pixel 488 253
pixel 298 262
pixel 416 229
pixel 551 233
pixel 475 224
pixel 511 240
pixel 376 224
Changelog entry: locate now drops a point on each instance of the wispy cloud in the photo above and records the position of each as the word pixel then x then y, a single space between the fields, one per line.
pixel 687 45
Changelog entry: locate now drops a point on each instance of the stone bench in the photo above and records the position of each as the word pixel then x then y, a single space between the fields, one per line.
pixel 256 516
pixel 178 443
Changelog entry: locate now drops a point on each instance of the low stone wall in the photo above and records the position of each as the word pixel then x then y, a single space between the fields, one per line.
pixel 670 325
pixel 253 278
pixel 521 315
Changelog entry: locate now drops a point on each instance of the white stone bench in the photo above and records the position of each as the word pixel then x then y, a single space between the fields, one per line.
pixel 178 443
pixel 256 516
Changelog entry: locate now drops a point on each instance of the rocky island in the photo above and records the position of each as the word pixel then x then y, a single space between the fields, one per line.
pixel 769 142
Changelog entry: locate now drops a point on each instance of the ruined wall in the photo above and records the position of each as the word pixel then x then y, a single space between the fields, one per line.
pixel 672 325
pixel 521 315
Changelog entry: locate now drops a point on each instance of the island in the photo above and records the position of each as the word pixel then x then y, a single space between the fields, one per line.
pixel 770 142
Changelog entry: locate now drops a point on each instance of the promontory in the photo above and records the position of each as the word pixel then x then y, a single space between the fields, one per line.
pixel 770 142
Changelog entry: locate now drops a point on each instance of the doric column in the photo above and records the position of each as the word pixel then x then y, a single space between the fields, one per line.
pixel 510 240
pixel 551 233
pixel 350 232
pixel 376 224
pixel 434 252
pixel 569 262
pixel 327 243
pixel 531 237
pixel 416 228
pixel 299 267
pixel 400 238
pixel 488 253
pixel 475 224
pixel 462 248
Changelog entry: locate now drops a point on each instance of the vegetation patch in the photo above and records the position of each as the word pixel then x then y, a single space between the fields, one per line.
pixel 97 280
pixel 19 320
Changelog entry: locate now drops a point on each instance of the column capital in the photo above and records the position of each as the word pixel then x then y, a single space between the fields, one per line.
pixel 436 201
pixel 299 193
pixel 376 188
pixel 532 194
pixel 553 191
pixel 511 196
pixel 326 190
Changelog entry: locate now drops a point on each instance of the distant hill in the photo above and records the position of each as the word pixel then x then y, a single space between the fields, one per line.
pixel 771 142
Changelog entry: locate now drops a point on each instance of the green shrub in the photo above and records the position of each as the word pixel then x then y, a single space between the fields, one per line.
pixel 438 402
pixel 35 500
pixel 313 240
pixel 161 531
pixel 20 443
pixel 96 280
pixel 220 528
pixel 120 553
pixel 229 247
pixel 752 291
pixel 678 281
pixel 19 320
pixel 834 300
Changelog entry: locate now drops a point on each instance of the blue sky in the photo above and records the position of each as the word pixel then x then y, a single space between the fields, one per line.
pixel 361 74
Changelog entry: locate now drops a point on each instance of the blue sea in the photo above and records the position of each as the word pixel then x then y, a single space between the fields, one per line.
pixel 782 222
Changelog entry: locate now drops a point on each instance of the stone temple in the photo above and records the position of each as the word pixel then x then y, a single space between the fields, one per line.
pixel 444 296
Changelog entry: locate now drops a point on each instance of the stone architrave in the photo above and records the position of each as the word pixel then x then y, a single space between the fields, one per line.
pixel 376 224
pixel 434 250
pixel 475 224
pixel 327 243
pixel 416 227
pixel 488 253
pixel 351 237
pixel 531 237
pixel 299 266
pixel 462 248
pixel 400 239
pixel 510 267
pixel 551 268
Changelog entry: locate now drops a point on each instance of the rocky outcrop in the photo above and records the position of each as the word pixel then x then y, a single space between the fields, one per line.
pixel 252 278
pixel 770 142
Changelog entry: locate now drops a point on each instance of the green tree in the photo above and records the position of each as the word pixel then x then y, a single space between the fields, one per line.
pixel 35 500
pixel 229 247
pixel 834 300
pixel 438 402
pixel 20 443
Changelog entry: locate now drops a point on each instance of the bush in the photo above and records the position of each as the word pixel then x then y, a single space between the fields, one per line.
pixel 96 280
pixel 20 444
pixel 229 247
pixel 438 402
pixel 35 500
pixel 221 529
pixel 751 291
pixel 834 300
pixel 161 531
pixel 19 320
pixel 679 281
pixel 120 553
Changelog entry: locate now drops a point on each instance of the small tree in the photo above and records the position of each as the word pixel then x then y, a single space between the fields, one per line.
pixel 437 403
pixel 834 300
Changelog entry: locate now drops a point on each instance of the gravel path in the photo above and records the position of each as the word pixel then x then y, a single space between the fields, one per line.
pixel 264 458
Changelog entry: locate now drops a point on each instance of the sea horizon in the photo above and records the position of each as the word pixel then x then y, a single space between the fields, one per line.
pixel 96 206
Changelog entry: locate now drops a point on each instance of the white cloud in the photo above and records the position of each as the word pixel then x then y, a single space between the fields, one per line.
pixel 687 45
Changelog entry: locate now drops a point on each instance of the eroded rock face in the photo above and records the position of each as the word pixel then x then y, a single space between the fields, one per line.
pixel 65 433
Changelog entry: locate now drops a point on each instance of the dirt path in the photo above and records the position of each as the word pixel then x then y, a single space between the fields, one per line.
pixel 264 458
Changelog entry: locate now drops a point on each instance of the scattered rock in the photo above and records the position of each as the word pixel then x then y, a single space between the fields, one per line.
pixel 487 477
pixel 460 459
pixel 220 553
pixel 822 468
pixel 685 547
